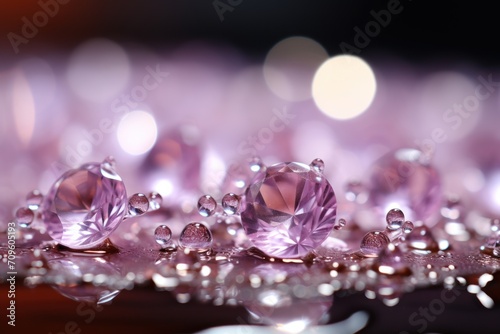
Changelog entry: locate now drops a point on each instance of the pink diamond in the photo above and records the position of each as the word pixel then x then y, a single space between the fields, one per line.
pixel 84 206
pixel 289 210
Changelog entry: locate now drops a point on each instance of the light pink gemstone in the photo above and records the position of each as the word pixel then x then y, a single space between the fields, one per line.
pixel 403 179
pixel 289 210
pixel 84 206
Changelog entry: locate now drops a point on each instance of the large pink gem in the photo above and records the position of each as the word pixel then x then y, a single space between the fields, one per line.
pixel 289 210
pixel 84 206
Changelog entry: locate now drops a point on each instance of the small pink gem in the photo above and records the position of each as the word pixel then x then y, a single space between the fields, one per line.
pixel 84 206
pixel 405 180
pixel 289 210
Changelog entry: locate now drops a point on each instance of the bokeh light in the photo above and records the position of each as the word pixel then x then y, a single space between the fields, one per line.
pixel 344 87
pixel 98 70
pixel 290 66
pixel 137 132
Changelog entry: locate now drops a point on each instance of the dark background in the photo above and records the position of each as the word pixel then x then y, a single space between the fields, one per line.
pixel 424 31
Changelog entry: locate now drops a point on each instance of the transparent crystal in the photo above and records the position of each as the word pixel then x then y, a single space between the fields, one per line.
pixel 288 210
pixel 84 206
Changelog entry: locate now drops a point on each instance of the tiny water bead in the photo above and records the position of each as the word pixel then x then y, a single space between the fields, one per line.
pixel 206 205
pixel 196 236
pixel 318 165
pixel 34 199
pixel 373 242
pixel 231 203
pixel 340 224
pixel 407 227
pixel 24 217
pixel 138 204
pixel 155 200
pixel 395 219
pixel 163 236
pixel 492 246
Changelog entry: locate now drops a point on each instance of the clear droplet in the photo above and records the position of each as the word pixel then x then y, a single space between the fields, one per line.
pixel 24 217
pixel 373 242
pixel 196 236
pixel 318 165
pixel 138 204
pixel 231 203
pixel 34 200
pixel 155 200
pixel 163 235
pixel 340 224
pixel 206 205
pixel 421 239
pixel 395 219
pixel 407 227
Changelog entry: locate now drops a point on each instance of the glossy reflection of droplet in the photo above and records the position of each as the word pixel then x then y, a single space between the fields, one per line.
pixel 163 235
pixel 196 236
pixel 206 205
pixel 231 203
pixel 395 219
pixel 373 242
pixel 138 204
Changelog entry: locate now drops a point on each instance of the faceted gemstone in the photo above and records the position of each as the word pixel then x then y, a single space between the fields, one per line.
pixel 84 206
pixel 405 180
pixel 289 210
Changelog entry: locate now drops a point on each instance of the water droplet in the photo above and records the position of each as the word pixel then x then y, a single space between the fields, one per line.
pixel 138 204
pixel 395 219
pixel 24 217
pixel 196 236
pixel 373 242
pixel 34 200
pixel 421 239
pixel 318 165
pixel 155 200
pixel 206 205
pixel 163 236
pixel 407 227
pixel 231 203
pixel 340 224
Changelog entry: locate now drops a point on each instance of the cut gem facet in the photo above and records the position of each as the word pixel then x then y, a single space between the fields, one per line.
pixel 289 211
pixel 84 206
